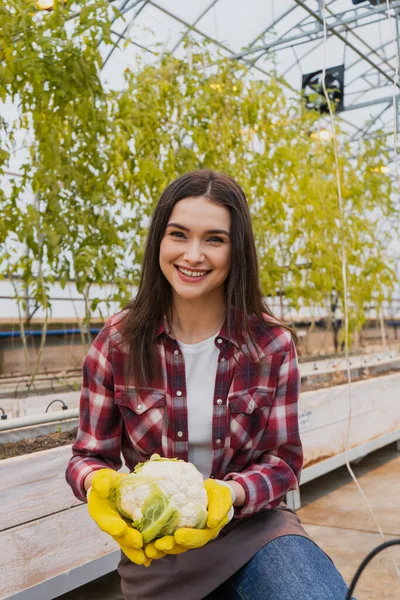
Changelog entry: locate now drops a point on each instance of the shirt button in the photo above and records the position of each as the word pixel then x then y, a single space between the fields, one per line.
pixel 179 393
pixel 222 360
pixel 219 401
pixel 219 341
pixel 139 406
pixel 180 433
pixel 176 352
pixel 218 441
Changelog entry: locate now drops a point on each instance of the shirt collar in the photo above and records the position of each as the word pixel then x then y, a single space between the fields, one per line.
pixel 163 327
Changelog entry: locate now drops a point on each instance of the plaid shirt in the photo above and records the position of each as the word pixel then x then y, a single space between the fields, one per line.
pixel 255 433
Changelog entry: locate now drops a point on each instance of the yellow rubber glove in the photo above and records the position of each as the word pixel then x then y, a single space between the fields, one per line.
pixel 102 510
pixel 220 511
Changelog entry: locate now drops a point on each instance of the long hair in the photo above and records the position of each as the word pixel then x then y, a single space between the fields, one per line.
pixel 242 291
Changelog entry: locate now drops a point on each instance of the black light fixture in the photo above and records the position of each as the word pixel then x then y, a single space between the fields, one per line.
pixel 312 86
pixel 373 2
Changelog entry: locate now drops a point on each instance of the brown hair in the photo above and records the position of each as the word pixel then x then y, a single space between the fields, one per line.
pixel 154 297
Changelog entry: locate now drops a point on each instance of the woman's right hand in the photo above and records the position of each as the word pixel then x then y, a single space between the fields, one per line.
pixel 102 510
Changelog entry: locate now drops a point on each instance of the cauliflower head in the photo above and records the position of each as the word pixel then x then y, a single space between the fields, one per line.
pixel 161 495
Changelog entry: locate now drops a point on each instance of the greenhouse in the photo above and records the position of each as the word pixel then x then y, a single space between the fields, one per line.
pixel 200 299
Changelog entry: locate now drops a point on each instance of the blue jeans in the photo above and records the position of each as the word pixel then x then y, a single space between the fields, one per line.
pixel 291 567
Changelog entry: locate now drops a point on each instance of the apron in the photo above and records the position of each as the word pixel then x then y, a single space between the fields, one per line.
pixel 196 573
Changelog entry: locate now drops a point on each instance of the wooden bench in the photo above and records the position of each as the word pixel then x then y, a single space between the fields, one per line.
pixel 48 543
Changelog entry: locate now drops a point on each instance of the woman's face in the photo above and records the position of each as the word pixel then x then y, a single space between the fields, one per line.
pixel 196 239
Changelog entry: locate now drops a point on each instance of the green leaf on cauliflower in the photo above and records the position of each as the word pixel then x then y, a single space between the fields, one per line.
pixel 157 512
pixel 172 524
pixel 202 516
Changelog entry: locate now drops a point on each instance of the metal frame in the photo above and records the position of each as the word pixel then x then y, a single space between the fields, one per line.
pixel 308 28
pixel 316 34
pixel 349 44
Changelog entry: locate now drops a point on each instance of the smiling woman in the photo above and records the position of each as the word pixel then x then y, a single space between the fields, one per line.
pixel 196 367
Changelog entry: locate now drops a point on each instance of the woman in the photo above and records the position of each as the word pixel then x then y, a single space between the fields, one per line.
pixel 196 367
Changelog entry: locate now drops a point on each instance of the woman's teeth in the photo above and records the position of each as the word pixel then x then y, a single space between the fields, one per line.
pixel 192 273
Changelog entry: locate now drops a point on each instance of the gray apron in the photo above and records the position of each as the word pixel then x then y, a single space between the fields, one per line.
pixel 196 573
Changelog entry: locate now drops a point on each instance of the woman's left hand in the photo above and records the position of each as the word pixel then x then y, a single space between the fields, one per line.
pixel 102 509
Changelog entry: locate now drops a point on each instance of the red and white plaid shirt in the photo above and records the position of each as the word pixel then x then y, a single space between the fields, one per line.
pixel 255 432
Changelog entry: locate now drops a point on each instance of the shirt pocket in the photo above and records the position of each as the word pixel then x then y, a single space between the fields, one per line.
pixel 143 411
pixel 248 412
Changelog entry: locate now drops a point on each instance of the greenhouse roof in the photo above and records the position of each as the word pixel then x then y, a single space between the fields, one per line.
pixel 286 36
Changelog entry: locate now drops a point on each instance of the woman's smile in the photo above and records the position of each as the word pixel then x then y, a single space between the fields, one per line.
pixel 190 275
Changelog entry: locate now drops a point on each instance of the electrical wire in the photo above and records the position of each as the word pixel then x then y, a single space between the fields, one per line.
pixel 344 277
pixel 364 563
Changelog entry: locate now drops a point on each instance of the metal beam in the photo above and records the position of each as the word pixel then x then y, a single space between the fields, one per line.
pixel 364 76
pixel 368 103
pixel 299 25
pixel 271 25
pixel 121 35
pixel 117 17
pixel 205 11
pixel 189 26
pixel 366 128
pixel 204 35
pixel 117 34
pixel 364 91
pixel 354 63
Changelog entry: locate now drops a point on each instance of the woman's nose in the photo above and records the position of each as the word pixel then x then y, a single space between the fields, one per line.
pixel 194 252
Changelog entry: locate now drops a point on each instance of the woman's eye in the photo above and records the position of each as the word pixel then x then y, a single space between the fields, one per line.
pixel 214 238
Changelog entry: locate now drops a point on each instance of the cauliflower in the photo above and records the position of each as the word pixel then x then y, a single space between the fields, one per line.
pixel 161 495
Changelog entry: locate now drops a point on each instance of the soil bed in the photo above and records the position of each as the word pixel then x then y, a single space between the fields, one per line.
pixel 42 442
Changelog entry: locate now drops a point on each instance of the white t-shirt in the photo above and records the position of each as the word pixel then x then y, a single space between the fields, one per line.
pixel 201 362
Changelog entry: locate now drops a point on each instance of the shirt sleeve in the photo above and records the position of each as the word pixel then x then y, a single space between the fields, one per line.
pixel 98 441
pixel 274 473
